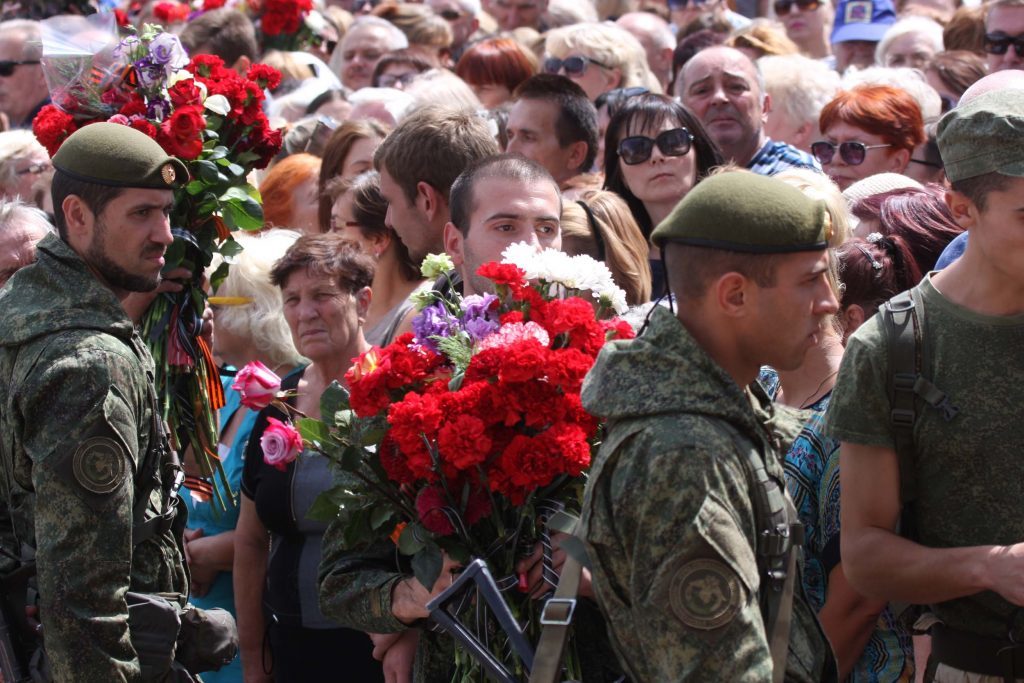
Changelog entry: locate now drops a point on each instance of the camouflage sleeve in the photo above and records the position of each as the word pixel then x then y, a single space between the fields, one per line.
pixel 355 587
pixel 683 589
pixel 81 437
pixel 859 410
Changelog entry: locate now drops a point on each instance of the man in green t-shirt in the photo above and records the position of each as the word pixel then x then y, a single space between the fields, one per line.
pixel 966 559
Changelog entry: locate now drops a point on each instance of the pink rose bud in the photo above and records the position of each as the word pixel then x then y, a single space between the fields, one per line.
pixel 258 385
pixel 281 443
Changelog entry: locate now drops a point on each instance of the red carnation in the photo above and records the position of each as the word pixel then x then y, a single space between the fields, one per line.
pixel 265 76
pixel 136 106
pixel 463 442
pixel 503 274
pixel 52 127
pixel 144 125
pixel 170 12
pixel 434 511
pixel 212 4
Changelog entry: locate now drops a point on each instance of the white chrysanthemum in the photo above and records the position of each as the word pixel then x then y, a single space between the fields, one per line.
pixel 525 256
pixel 579 273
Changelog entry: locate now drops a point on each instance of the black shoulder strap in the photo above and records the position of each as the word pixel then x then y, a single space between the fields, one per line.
pixel 904 317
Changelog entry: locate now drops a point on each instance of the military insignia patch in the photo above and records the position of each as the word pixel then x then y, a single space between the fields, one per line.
pixel 705 594
pixel 167 173
pixel 100 465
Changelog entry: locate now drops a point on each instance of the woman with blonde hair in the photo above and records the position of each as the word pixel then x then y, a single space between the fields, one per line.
pixel 600 225
pixel 599 58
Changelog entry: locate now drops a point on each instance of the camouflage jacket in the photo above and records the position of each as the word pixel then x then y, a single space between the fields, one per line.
pixel 669 522
pixel 75 432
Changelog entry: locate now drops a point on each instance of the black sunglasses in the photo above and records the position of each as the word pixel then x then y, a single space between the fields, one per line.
pixel 852 153
pixel 998 43
pixel 450 14
pixel 637 149
pixel 574 66
pixel 7 66
pixel 783 7
pixel 683 4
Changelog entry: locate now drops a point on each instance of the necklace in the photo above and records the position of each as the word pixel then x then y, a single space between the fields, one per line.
pixel 807 401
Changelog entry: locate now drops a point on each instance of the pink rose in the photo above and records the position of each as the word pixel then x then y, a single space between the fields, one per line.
pixel 258 385
pixel 281 443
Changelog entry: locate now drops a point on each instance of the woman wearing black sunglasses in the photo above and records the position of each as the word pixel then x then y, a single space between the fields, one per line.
pixel 598 57
pixel 655 152
pixel 868 130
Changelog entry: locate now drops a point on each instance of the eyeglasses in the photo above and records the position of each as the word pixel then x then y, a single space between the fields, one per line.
pixel 574 66
pixel 852 153
pixel 683 4
pixel 450 14
pixel 35 169
pixel 637 149
pixel 998 43
pixel 7 66
pixel 393 80
pixel 784 7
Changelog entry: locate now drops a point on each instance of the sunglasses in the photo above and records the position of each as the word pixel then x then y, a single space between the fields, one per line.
pixel 637 149
pixel 450 14
pixel 34 169
pixel 7 66
pixel 998 43
pixel 574 66
pixel 852 153
pixel 683 4
pixel 783 7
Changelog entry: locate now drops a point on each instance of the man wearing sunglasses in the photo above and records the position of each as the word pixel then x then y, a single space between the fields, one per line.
pixel 1004 35
pixel 726 92
pixel 22 85
pixel 461 16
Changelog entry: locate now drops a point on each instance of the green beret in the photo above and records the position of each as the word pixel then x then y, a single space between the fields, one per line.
pixel 984 135
pixel 743 211
pixel 120 156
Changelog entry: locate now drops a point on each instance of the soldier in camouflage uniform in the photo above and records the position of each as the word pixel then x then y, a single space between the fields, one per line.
pixel 79 440
pixel 672 522
pixel 949 469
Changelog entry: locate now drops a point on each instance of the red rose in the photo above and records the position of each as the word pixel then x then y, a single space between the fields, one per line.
pixel 187 122
pixel 52 127
pixel 265 76
pixel 142 124
pixel 183 148
pixel 185 93
pixel 135 106
pixel 212 4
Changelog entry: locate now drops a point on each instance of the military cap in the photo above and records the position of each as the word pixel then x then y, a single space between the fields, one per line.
pixel 746 212
pixel 120 156
pixel 984 135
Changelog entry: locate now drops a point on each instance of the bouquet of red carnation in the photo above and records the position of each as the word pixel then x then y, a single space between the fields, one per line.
pixel 467 434
pixel 210 117
pixel 288 25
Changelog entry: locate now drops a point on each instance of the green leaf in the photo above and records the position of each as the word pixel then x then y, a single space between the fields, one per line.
pixel 333 399
pixel 371 433
pixel 195 187
pixel 208 171
pixel 325 508
pixel 246 157
pixel 230 248
pixel 312 430
pixel 427 565
pixel 351 458
pixel 219 275
pixel 239 219
pixel 236 170
pixel 380 516
pixel 235 192
pixel 219 154
pixel 410 543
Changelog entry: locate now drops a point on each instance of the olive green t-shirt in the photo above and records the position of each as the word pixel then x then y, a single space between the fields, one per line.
pixel 969 470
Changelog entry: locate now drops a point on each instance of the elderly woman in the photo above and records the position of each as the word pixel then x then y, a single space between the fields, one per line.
pixel 655 152
pixel 251 329
pixel 799 88
pixel 911 42
pixel 25 168
pixel 494 67
pixel 868 130
pixel 358 213
pixel 325 285
pixel 289 191
pixel 599 57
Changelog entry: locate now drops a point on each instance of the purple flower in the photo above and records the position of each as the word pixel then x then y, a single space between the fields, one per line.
pixel 158 110
pixel 166 49
pixel 480 315
pixel 433 321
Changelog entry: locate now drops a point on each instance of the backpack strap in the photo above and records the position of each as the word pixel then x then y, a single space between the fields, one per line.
pixel 904 320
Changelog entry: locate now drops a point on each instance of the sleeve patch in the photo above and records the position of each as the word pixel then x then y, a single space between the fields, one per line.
pixel 100 465
pixel 706 594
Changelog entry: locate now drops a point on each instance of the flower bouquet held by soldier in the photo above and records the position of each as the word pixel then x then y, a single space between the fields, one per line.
pixel 926 410
pixel 692 539
pixel 211 118
pixel 88 480
pixel 460 441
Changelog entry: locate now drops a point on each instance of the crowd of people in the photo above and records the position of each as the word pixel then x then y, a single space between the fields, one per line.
pixel 784 190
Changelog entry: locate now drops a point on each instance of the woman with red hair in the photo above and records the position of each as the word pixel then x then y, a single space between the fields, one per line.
pixel 869 129
pixel 290 194
pixel 494 67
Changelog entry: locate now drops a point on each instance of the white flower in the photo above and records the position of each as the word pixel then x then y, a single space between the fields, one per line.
pixel 166 49
pixel 315 22
pixel 436 265
pixel 218 104
pixel 579 273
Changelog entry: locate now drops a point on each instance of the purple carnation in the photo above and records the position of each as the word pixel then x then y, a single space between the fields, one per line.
pixel 480 315
pixel 433 321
